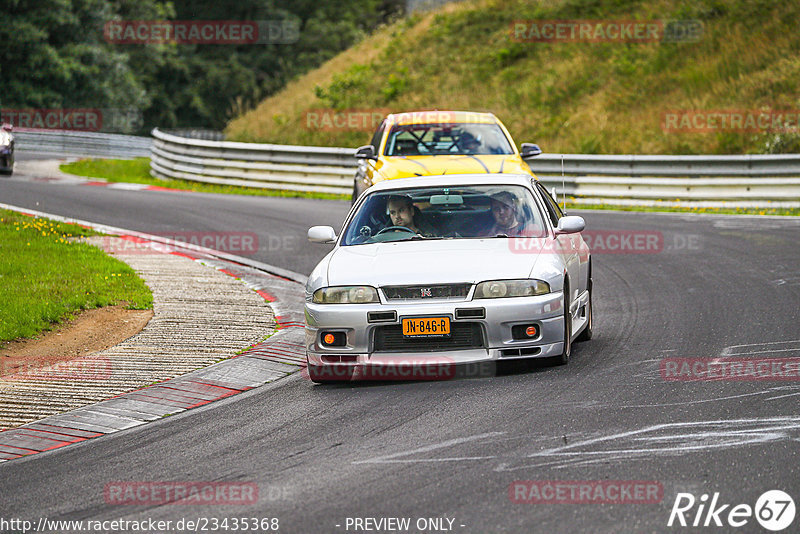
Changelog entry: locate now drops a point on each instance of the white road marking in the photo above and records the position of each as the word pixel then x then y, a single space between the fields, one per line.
pixel 703 401
pixel 679 438
pixel 783 396
pixel 667 439
pixel 728 351
pixel 391 457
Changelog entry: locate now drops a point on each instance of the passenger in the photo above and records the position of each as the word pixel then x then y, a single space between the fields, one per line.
pixel 507 218
pixel 402 212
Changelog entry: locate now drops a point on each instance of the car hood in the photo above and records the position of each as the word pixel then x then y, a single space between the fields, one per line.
pixel 409 166
pixel 429 262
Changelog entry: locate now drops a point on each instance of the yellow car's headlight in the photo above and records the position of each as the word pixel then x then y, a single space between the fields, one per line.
pixel 345 295
pixel 493 289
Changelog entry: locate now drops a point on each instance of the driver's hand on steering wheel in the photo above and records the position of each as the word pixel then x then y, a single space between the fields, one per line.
pixel 398 229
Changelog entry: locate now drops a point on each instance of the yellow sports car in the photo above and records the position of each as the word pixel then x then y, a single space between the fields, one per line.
pixel 427 143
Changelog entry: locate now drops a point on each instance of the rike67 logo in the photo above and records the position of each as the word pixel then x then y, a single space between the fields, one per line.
pixel 774 510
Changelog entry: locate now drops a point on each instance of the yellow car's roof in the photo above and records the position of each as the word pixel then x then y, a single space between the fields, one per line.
pixel 441 117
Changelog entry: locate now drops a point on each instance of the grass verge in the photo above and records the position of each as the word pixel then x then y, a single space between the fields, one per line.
pixel 137 171
pixel 582 97
pixel 45 277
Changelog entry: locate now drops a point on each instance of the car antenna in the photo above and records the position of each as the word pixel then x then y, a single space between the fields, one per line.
pixel 563 187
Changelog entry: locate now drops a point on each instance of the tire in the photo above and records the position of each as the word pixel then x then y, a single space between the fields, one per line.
pixel 586 334
pixel 358 188
pixel 563 358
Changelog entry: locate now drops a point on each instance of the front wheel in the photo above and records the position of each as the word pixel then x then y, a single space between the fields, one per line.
pixel 586 334
pixel 563 359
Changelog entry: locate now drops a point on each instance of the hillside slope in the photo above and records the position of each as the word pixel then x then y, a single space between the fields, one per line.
pixel 586 97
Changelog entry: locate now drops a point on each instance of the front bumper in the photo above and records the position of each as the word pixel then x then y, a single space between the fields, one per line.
pixel 363 348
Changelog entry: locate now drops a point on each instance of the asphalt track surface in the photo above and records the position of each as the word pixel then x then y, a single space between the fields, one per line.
pixel 451 449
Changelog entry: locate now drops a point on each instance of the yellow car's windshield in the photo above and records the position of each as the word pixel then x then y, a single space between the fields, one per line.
pixel 446 139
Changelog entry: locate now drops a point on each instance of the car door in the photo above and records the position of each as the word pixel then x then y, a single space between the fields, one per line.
pixel 567 245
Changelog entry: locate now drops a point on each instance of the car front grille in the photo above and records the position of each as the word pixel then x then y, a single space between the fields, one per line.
pixel 421 292
pixel 463 335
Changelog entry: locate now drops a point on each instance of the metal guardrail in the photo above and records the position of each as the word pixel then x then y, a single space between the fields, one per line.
pixel 686 166
pixel 763 179
pixel 63 143
pixel 196 133
pixel 294 168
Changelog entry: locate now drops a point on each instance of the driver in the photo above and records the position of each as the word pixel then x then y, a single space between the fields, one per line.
pixel 469 144
pixel 402 212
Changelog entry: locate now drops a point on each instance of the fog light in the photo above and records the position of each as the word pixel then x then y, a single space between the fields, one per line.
pixel 524 331
pixel 334 339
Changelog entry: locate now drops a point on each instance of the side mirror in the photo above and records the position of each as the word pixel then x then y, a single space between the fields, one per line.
pixel 571 224
pixel 529 150
pixel 365 152
pixel 321 234
pixel 8 127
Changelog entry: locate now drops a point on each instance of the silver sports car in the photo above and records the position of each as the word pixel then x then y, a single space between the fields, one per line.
pixel 435 273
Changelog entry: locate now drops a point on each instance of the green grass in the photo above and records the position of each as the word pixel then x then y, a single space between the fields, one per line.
pixel 45 276
pixel 606 98
pixel 137 171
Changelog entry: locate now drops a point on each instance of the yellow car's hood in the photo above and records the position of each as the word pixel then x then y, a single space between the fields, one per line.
pixel 407 166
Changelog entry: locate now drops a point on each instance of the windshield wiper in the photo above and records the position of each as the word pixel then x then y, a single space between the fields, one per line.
pixel 416 238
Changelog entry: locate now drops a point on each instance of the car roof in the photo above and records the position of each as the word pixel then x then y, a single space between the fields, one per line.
pixel 441 117
pixel 453 180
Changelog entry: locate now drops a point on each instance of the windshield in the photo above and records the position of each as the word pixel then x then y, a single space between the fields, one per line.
pixel 456 212
pixel 444 139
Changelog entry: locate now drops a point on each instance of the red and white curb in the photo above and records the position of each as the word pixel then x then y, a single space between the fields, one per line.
pixel 280 355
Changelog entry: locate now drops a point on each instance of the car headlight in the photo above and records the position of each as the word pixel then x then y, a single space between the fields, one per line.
pixel 493 289
pixel 345 295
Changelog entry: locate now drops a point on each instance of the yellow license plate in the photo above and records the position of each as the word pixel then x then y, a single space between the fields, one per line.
pixel 426 327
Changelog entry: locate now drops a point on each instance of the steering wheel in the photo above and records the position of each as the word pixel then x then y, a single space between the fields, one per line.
pixel 397 229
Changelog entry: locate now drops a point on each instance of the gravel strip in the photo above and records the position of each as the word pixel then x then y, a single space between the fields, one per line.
pixel 201 316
